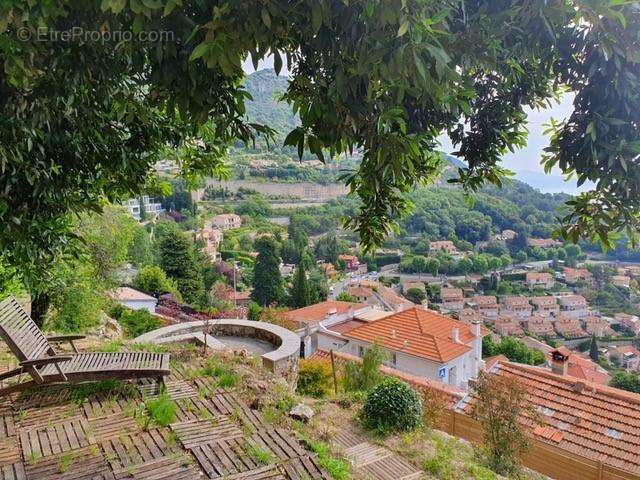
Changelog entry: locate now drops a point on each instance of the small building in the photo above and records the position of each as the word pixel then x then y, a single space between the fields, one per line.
pixel 543 242
pixel 133 299
pixel 515 305
pixel 572 276
pixel 328 269
pixel 574 306
pixel 485 305
pixel 443 246
pixel 469 315
pixel 566 363
pixel 621 281
pixel 361 293
pixel 240 299
pixel 452 299
pixel 545 306
pixel 569 327
pixel 539 280
pixel 424 343
pixel 597 326
pixel 629 357
pixel 406 286
pixel 226 221
pixel 351 261
pixel 212 238
pixel 508 234
pixel 540 326
pixel 628 322
pixel 508 326
pixel 152 206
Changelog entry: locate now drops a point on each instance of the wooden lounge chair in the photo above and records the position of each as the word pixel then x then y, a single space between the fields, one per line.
pixel 40 361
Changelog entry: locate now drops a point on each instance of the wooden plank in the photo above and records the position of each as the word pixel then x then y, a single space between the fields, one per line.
pixel 68 435
pixel 159 469
pixel 84 464
pixel 196 432
pixel 135 449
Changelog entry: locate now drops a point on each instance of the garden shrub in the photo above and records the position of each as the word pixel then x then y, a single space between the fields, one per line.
pixel 366 375
pixel 162 410
pixel 137 322
pixel 314 377
pixel 391 406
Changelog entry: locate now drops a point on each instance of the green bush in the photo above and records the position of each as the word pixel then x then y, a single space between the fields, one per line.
pixel 392 405
pixel 314 378
pixel 162 410
pixel 366 375
pixel 137 322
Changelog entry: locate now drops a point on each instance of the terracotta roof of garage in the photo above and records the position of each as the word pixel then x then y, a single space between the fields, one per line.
pixel 595 421
pixel 319 311
pixel 419 332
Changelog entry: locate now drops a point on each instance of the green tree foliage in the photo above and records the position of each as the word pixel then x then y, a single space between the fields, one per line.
pixel 416 295
pixel 267 282
pixel 300 294
pixel 314 378
pixel 141 250
pixel 362 377
pixel 328 248
pixel 9 281
pixel 154 281
pixel 178 260
pixel 593 349
pixel 392 406
pixel 135 322
pixel 398 64
pixel 254 206
pixel 512 348
pixel 500 401
pixel 180 198
pixel 346 297
pixel 629 381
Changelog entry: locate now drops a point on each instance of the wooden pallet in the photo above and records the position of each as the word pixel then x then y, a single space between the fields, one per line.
pixel 113 426
pixel 365 453
pixel 104 406
pixel 304 468
pixel 224 458
pixel 177 390
pixel 348 439
pixel 270 472
pixel 7 425
pixel 197 432
pixel 228 403
pixel 194 409
pixel 85 464
pixel 42 397
pixel 391 467
pixel 10 451
pixel 128 451
pixel 37 417
pixel 56 438
pixel 14 471
pixel 279 442
pixel 160 469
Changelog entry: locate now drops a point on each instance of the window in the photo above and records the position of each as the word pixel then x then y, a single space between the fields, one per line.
pixel 360 351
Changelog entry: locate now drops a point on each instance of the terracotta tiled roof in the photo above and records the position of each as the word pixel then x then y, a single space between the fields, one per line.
pixel 491 361
pixel 346 326
pixel 595 421
pixel 451 293
pixel 319 311
pixel 484 300
pixel 544 300
pixel 419 332
pixel 535 276
pixel 129 294
pixel 514 300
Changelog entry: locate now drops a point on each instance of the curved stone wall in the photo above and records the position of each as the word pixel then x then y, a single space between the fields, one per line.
pixel 283 360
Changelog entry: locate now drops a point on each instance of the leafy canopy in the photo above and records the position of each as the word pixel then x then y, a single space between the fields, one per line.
pixel 84 119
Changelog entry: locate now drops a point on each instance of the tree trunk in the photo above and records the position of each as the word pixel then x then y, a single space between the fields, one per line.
pixel 39 306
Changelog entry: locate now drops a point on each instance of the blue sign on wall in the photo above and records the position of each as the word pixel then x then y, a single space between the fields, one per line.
pixel 442 372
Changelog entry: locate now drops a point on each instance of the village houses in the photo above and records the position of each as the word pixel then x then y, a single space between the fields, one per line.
pixel 539 280
pixel 574 306
pixel 452 299
pixel 518 306
pixel 572 276
pixel 545 306
pixel 485 305
pixel 226 221
pixel 443 246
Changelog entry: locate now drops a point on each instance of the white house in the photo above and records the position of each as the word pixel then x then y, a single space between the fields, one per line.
pixel 423 343
pixel 151 206
pixel 134 299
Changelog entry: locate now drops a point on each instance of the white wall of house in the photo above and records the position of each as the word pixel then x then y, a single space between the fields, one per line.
pixel 149 305
pixel 457 372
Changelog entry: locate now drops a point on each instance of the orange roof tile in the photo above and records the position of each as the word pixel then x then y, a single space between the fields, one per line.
pixel 319 311
pixel 599 422
pixel 419 332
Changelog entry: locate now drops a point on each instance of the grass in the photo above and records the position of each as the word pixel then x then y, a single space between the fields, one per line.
pixel 162 410
pixel 260 455
pixel 228 380
pixel 337 468
pixel 440 464
pixel 65 462
pixel 82 392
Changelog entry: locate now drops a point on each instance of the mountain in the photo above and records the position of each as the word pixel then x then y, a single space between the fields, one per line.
pixel 266 88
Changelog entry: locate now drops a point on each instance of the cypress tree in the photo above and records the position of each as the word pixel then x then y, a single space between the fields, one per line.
pixel 593 349
pixel 300 289
pixel 267 282
pixel 178 260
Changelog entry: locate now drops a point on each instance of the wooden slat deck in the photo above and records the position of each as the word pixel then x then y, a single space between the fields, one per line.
pixel 35 417
pixel 56 438
pixel 10 451
pixel 279 442
pixel 177 390
pixel 129 450
pixel 224 458
pixel 390 468
pixel 195 408
pixel 14 471
pixel 160 469
pixel 198 432
pixel 304 468
pixel 85 464
pixel 106 428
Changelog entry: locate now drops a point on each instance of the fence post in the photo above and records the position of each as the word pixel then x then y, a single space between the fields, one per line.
pixel 453 423
pixel 333 370
pixel 600 465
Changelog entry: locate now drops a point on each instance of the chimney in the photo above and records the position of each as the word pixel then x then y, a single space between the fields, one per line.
pixel 455 335
pixel 475 328
pixel 405 344
pixel 560 361
pixel 393 334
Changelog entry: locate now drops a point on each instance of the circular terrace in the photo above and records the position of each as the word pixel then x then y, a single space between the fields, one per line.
pixel 278 347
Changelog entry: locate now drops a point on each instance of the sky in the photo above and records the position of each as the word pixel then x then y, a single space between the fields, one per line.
pixel 524 162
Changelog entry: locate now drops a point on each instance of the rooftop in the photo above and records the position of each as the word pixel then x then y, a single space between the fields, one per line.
pixel 595 421
pixel 419 332
pixel 125 294
pixel 320 311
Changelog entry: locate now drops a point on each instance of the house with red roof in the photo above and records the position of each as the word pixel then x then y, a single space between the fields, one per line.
pixel 591 420
pixel 424 343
